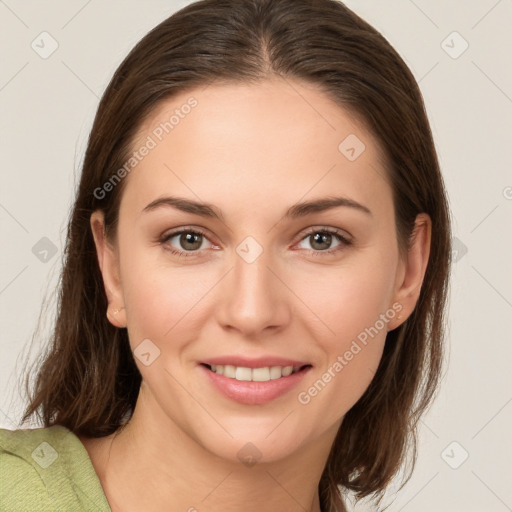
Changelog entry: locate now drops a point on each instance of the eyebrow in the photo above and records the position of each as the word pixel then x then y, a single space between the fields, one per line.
pixel 185 205
pixel 297 210
pixel 320 205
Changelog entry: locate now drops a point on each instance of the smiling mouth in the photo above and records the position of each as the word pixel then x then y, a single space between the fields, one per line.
pixel 262 374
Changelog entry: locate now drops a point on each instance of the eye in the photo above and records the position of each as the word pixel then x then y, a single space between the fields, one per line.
pixel 322 240
pixel 188 242
pixel 185 242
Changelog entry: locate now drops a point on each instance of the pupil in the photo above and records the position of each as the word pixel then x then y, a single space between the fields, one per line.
pixel 319 238
pixel 194 239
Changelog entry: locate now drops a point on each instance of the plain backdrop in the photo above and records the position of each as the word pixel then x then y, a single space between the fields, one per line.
pixel 457 50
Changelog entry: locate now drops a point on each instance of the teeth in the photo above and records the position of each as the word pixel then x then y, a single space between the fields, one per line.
pixel 242 373
pixel 275 372
pixel 287 370
pixel 253 374
pixel 229 371
pixel 260 374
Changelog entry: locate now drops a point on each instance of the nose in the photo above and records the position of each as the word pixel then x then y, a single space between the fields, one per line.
pixel 253 299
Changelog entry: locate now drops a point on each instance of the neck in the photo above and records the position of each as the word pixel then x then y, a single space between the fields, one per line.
pixel 152 464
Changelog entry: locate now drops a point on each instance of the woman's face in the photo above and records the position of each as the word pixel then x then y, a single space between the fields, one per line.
pixel 218 263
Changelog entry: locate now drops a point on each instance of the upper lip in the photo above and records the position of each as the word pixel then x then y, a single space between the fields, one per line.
pixel 258 362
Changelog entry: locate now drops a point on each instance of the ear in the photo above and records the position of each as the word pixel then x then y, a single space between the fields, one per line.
pixel 109 266
pixel 411 271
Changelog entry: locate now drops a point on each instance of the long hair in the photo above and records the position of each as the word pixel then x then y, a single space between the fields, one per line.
pixel 87 378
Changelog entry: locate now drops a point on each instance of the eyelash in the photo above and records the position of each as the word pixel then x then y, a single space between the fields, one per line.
pixel 344 241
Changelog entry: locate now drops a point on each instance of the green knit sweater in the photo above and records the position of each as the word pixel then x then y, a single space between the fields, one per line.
pixel 47 470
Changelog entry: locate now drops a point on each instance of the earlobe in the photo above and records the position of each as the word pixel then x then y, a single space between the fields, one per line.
pixel 413 270
pixel 109 267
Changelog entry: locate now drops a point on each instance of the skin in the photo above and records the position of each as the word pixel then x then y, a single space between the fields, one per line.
pixel 252 151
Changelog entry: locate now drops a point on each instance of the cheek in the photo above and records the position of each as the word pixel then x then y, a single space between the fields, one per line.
pixel 351 360
pixel 160 300
pixel 345 300
pixel 353 304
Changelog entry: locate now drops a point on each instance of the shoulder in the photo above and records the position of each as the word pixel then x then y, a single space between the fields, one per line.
pixel 47 469
pixel 19 441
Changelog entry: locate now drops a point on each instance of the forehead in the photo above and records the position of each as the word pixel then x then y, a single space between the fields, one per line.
pixel 255 145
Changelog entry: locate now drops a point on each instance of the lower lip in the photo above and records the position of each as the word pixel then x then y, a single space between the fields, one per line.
pixel 254 393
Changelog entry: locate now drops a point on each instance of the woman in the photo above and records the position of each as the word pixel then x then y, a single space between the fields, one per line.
pixel 252 304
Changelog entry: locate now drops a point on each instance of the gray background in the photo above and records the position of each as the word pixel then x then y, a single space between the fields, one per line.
pixel 47 107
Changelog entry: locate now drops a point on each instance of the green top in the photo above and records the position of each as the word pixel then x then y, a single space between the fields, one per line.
pixel 47 470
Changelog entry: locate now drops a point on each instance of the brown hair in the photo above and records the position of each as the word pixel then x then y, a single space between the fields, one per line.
pixel 88 380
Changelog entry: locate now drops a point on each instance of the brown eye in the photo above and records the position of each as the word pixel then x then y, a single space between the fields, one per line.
pixel 324 241
pixel 190 241
pixel 320 241
pixel 186 241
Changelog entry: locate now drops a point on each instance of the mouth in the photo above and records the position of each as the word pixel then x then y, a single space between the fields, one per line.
pixel 255 384
pixel 261 374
